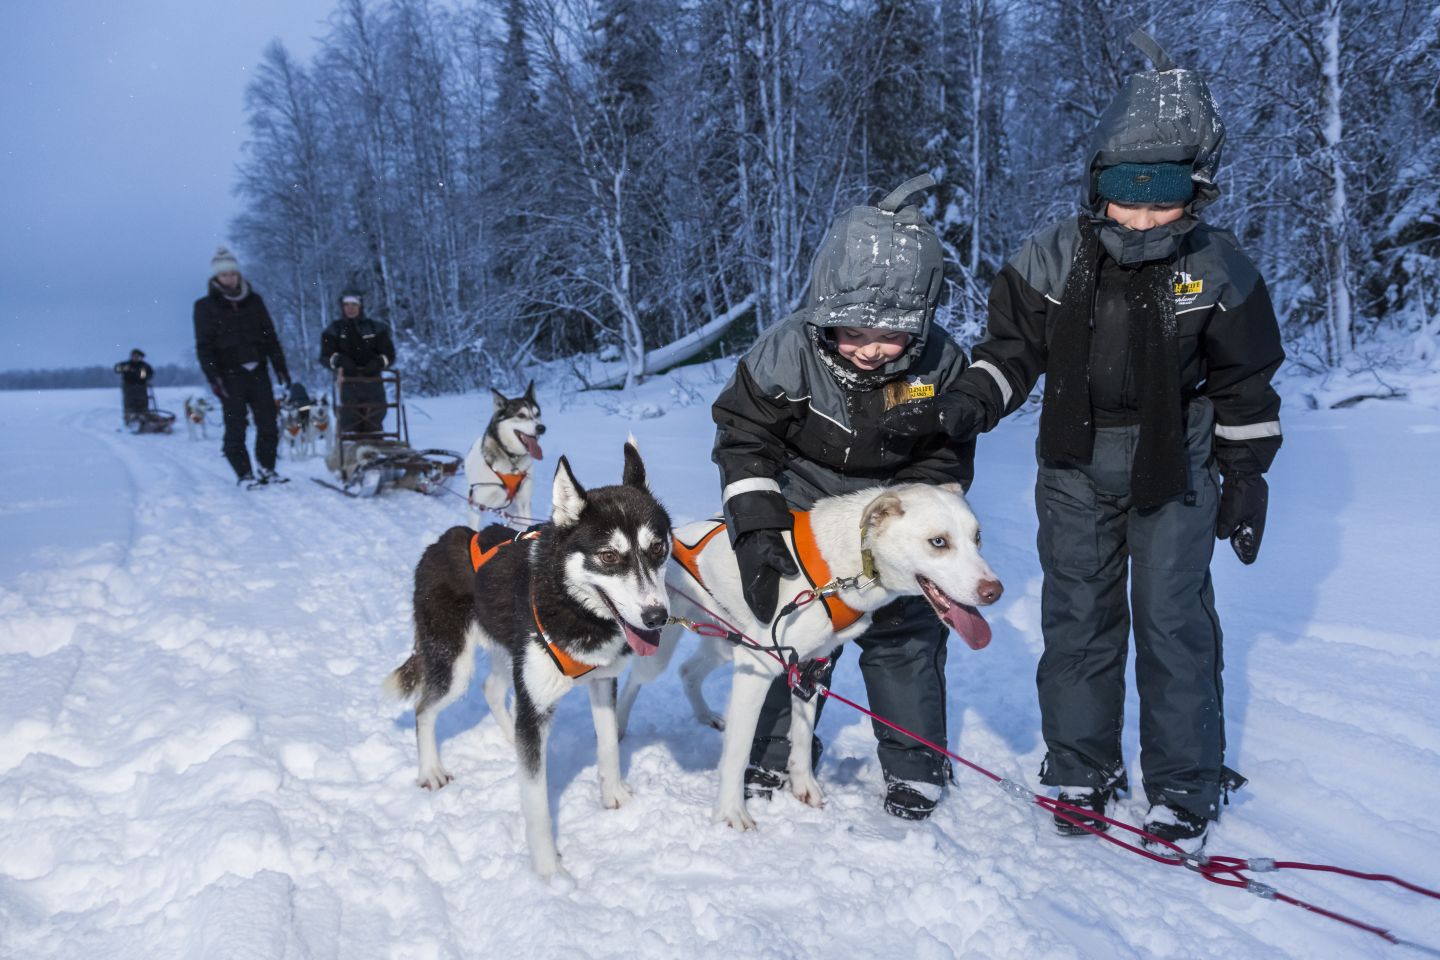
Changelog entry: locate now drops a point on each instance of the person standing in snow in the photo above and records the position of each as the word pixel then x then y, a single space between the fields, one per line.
pixel 356 346
pixel 798 421
pixel 135 376
pixel 234 341
pixel 1158 342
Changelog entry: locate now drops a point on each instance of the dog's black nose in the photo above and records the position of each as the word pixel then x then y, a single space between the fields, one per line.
pixel 989 591
pixel 654 617
pixel 539 429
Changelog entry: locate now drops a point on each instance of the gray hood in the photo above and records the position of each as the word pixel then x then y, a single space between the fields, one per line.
pixel 1165 115
pixel 878 266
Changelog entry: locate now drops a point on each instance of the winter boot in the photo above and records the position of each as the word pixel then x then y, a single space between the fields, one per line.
pixel 1180 827
pixel 249 481
pixel 268 475
pixel 762 782
pixel 911 799
pixel 1094 799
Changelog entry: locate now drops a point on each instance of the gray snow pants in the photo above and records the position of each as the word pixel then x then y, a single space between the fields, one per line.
pixel 1090 534
pixel 902 659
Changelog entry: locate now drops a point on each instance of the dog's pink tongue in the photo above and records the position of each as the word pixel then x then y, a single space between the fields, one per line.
pixel 967 622
pixel 532 445
pixel 638 641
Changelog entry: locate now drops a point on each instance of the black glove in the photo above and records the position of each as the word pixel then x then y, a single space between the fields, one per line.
pixel 952 414
pixel 217 387
pixel 763 558
pixel 373 366
pixel 1243 499
pixel 345 365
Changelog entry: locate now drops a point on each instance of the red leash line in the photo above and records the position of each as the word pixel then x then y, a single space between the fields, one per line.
pixel 1212 868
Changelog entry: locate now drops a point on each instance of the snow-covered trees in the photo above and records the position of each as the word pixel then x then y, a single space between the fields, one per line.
pixel 518 180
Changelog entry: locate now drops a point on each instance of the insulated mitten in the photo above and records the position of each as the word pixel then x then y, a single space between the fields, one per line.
pixel 344 364
pixel 373 366
pixel 763 558
pixel 952 414
pixel 1243 500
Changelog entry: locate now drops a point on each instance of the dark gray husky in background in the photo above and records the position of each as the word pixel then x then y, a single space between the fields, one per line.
pixel 564 603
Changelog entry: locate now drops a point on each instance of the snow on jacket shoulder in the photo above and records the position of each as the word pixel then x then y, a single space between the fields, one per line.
pixel 1229 339
pixel 790 433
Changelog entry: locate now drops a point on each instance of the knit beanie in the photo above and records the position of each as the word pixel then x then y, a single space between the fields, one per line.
pixel 223 262
pixel 1146 183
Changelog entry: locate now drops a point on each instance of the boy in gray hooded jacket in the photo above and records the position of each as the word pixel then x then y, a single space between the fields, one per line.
pixel 1158 342
pixel 800 420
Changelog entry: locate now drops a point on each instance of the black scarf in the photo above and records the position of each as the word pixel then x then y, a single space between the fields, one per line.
pixel 1067 430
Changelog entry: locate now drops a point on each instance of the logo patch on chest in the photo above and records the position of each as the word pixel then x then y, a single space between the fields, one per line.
pixel 1187 289
pixel 915 390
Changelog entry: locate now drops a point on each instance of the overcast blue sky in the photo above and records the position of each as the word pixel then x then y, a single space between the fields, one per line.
pixel 120 130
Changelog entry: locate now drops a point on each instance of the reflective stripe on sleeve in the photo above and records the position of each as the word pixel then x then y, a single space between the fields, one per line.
pixel 1249 431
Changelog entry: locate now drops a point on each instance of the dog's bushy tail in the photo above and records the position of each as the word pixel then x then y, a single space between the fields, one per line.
pixel 404 679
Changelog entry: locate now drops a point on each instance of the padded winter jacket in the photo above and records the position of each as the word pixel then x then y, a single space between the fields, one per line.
pixel 229 334
pixel 361 339
pixel 793 427
pixel 1228 337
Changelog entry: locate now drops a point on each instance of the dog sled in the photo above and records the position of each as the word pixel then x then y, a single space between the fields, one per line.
pixel 371 450
pixel 146 417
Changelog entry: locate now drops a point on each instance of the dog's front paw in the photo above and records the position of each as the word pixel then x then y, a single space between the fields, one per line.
pixel 735 816
pixel 807 791
pixel 614 796
pixel 434 778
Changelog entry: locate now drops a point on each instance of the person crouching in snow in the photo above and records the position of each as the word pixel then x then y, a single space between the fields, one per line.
pixel 234 340
pixel 798 421
pixel 356 346
pixel 1158 342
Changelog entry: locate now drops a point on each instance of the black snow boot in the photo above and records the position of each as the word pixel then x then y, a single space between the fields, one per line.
pixel 1094 799
pixel 762 782
pixel 1180 827
pixel 249 481
pixel 268 475
pixel 911 799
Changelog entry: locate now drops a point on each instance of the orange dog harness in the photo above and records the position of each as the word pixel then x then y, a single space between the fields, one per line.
pixel 807 550
pixel 566 664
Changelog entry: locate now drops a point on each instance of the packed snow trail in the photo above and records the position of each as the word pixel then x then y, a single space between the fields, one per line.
pixel 196 759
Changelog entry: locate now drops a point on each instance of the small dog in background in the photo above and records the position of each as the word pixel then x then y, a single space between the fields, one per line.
pixel 295 417
pixel 320 432
pixel 196 409
pixel 498 466
pixel 562 604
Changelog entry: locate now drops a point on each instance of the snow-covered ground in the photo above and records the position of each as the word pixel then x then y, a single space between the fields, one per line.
pixel 196 759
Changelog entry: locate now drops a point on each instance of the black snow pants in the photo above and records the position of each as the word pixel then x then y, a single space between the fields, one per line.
pixel 1090 536
pixel 902 659
pixel 362 407
pixel 249 390
pixel 136 397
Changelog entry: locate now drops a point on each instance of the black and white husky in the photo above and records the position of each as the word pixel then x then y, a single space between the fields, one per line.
pixel 499 465
pixel 920 540
pixel 563 603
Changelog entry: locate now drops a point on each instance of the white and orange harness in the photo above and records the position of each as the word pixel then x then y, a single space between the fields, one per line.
pixel 812 566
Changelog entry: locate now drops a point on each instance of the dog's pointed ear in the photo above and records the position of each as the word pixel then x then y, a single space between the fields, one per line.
pixel 880 511
pixel 634 466
pixel 499 399
pixel 567 497
pixel 530 392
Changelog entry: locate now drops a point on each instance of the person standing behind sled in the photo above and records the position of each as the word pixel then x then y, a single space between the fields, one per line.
pixel 356 346
pixel 234 341
pixel 1158 342
pixel 135 376
pixel 799 421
